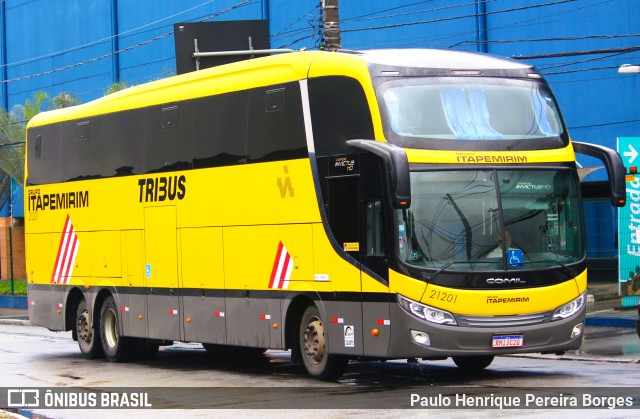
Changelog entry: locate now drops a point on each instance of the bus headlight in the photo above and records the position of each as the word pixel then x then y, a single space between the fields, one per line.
pixel 570 308
pixel 424 312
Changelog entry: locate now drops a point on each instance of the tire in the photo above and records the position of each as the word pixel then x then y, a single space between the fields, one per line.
pixel 116 348
pixel 473 363
pixel 87 333
pixel 316 358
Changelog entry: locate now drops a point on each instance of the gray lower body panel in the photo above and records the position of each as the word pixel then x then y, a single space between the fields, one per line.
pixel 448 341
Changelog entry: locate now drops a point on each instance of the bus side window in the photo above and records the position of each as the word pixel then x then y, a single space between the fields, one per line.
pixel 274 100
pixel 83 130
pixel 373 229
pixel 38 147
pixel 276 124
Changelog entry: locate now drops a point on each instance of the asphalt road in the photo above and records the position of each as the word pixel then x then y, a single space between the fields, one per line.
pixel 263 386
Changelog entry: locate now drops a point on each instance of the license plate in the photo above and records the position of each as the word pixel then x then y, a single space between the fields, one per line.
pixel 509 341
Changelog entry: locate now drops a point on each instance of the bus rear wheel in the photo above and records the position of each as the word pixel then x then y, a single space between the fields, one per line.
pixel 116 348
pixel 316 358
pixel 88 335
pixel 473 363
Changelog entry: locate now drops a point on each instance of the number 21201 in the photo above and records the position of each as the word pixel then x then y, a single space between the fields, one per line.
pixel 443 296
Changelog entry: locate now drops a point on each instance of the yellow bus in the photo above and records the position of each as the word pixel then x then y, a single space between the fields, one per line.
pixel 382 204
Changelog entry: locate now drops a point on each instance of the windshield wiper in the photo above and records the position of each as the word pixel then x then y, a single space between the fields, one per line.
pixel 564 267
pixel 465 223
pixel 439 271
pixel 517 143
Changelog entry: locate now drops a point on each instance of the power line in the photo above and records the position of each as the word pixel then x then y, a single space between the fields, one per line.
pixel 554 73
pixel 527 22
pixel 579 62
pixel 103 40
pixel 283 31
pixel 605 124
pixel 577 53
pixel 415 12
pixel 396 25
pixel 521 23
pixel 559 38
pixel 56 70
pixel 148 41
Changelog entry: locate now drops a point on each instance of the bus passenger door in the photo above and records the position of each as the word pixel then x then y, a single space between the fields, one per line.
pixel 135 300
pixel 202 266
pixel 161 272
pixel 374 251
pixel 345 336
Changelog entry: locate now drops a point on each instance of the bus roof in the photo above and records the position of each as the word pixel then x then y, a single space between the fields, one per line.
pixel 285 68
pixel 440 59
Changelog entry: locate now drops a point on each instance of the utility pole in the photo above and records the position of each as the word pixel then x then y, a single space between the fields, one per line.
pixel 331 25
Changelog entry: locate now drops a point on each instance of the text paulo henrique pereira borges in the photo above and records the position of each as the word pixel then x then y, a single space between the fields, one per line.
pixel 527 400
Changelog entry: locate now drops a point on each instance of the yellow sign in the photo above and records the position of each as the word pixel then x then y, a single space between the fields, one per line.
pixel 351 247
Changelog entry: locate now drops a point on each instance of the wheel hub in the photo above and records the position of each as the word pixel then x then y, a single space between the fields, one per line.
pixel 314 340
pixel 84 329
pixel 111 329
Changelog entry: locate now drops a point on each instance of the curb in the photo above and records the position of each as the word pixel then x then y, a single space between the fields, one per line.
pixel 625 322
pixel 12 415
pixel 15 322
pixel 576 357
pixel 13 301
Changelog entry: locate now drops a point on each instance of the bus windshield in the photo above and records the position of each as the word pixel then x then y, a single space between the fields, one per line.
pixel 486 220
pixel 454 108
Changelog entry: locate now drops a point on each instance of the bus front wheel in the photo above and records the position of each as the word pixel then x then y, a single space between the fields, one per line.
pixel 88 335
pixel 116 348
pixel 473 363
pixel 315 355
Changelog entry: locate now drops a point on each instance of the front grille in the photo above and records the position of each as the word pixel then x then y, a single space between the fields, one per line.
pixel 504 321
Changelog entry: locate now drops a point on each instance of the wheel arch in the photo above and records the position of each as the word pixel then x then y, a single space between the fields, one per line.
pixel 74 297
pixel 102 295
pixel 295 310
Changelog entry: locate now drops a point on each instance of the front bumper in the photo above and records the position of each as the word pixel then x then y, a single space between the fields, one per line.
pixel 446 341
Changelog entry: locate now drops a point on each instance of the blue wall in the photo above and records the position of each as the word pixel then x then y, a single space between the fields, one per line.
pixel 71 45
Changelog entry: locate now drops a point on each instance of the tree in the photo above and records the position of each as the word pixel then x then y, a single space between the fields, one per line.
pixel 12 135
pixel 13 132
pixel 116 87
pixel 64 100
pixel 31 107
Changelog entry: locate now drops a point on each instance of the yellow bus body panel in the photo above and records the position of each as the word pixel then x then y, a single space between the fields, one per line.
pixel 502 302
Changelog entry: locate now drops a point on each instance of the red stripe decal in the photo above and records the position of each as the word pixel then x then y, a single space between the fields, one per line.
pixel 57 264
pixel 285 269
pixel 67 251
pixel 274 271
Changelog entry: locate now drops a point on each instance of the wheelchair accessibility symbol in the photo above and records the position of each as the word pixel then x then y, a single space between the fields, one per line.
pixel 515 258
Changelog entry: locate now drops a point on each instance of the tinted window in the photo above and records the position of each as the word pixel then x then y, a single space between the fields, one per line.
pixel 276 124
pixel 258 125
pixel 168 140
pixel 220 130
pixel 81 143
pixel 125 133
pixel 339 112
pixel 48 167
